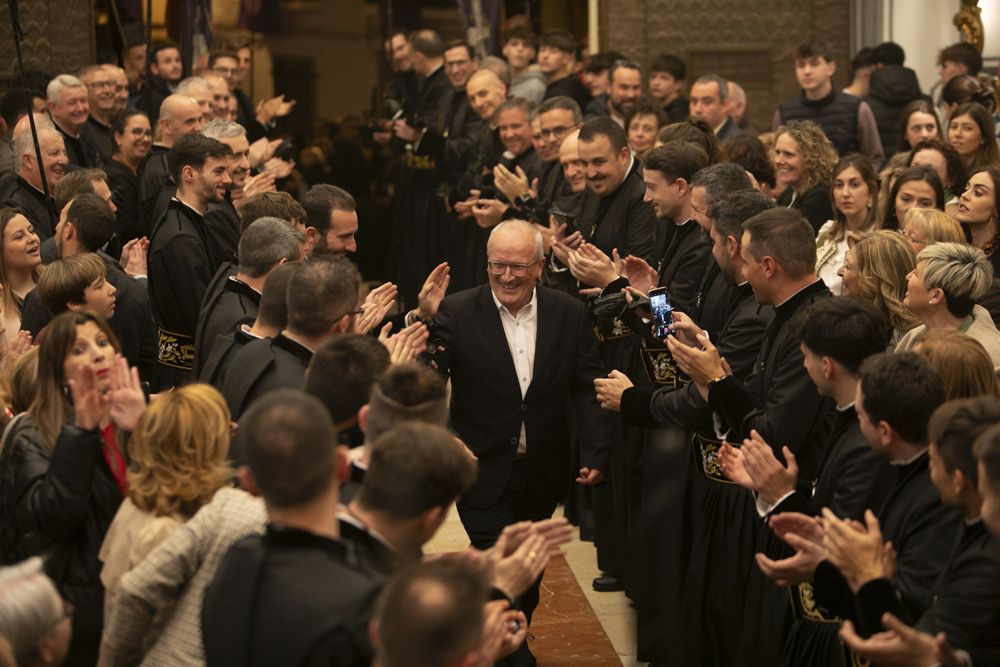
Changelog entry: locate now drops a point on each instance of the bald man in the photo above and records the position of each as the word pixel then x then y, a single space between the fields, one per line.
pixel 28 194
pixel 180 115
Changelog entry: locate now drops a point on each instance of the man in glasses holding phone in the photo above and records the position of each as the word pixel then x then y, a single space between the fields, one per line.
pixel 517 353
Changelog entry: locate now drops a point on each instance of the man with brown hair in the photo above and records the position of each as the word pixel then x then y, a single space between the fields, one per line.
pixel 556 60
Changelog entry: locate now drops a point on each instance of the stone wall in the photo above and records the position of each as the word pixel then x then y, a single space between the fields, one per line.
pixel 752 43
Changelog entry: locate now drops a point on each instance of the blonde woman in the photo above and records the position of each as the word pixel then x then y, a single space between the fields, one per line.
pixel 855 189
pixel 875 270
pixel 962 362
pixel 803 165
pixel 924 226
pixel 943 290
pixel 179 459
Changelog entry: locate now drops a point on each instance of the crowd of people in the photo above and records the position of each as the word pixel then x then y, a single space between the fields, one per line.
pixel 759 369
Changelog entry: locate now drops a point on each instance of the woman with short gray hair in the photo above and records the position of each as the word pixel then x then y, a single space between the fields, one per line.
pixel 943 290
pixel 33 618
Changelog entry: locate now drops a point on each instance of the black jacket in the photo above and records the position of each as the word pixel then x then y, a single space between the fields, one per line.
pixel 124 187
pixel 678 110
pixel 892 88
pixel 779 399
pixel 222 230
pixel 64 497
pixel 813 204
pixel 217 359
pixel 620 220
pixel 289 597
pixel 569 86
pixel 39 209
pixel 154 179
pixel 262 366
pixel 966 602
pixel 922 531
pixel 487 409
pixel 79 152
pixel 236 303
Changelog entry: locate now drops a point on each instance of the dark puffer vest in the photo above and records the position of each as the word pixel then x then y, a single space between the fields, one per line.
pixel 837 114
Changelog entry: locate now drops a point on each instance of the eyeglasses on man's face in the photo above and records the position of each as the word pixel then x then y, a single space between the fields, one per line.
pixel 518 270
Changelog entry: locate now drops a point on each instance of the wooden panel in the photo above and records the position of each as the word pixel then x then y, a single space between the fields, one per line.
pixel 59 36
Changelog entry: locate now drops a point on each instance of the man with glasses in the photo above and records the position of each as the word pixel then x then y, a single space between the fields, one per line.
pixel 100 84
pixel 518 354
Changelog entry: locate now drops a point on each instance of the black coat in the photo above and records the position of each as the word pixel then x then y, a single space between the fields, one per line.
pixel 620 220
pixel 310 592
pixel 97 137
pixel 236 303
pixel 39 209
pixel 813 204
pixel 922 531
pixel 154 179
pixel 180 268
pixel 892 88
pixel 678 110
pixel 262 366
pixel 684 264
pixel 66 496
pixel 80 153
pixel 569 86
pixel 124 187
pixel 487 410
pixel 221 353
pixel 222 230
pixel 779 399
pixel 965 604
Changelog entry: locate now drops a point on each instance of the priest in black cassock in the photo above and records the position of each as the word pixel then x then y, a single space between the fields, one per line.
pixel 778 399
pixel 222 220
pixel 837 336
pixel 180 261
pixel 27 194
pixel 267 244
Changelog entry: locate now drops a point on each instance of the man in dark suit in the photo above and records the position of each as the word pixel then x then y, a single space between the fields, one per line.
pixel 26 192
pixel 518 354
pixel 710 103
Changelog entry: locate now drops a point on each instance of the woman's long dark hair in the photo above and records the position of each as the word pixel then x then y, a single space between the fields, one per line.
pixel 918 173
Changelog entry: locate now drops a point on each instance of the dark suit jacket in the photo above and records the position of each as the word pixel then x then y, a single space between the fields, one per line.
pixel 36 207
pixel 487 409
pixel 222 229
pixel 262 366
pixel 225 347
pixel 728 130
pixel 621 220
pixel 966 603
pixel 569 86
pixel 312 593
pixel 221 312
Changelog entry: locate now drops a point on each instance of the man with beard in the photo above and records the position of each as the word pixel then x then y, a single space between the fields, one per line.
pixel 614 215
pixel 556 60
pixel 100 82
pixel 625 88
pixel 180 262
pixel 163 76
pixel 180 115
pixel 331 220
pixel 69 108
pixel 27 194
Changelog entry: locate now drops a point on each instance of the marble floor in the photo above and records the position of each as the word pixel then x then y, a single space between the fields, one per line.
pixel 562 629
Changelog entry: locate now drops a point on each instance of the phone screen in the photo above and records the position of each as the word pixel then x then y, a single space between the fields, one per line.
pixel 662 317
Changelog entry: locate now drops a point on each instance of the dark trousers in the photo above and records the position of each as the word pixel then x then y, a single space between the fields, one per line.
pixel 484 525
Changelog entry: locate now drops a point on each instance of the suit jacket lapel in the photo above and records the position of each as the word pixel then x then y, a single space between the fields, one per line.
pixel 489 320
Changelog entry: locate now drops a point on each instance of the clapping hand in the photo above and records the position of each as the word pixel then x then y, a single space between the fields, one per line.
pixel 591 266
pixel 11 350
pixel 88 401
pixel 263 150
pixel 701 365
pixel 276 107
pixel 134 255
pixel 805 535
pixel 901 646
pixel 504 630
pixel 488 212
pixel 563 245
pixel 639 273
pixel 126 399
pixel 512 184
pixel 771 479
pixel 857 551
pixel 407 344
pixel 375 307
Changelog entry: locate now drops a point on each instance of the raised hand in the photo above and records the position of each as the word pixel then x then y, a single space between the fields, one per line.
pixel 489 212
pixel 375 307
pixel 639 273
pixel 901 646
pixel 771 479
pixel 88 401
pixel 407 344
pixel 858 552
pixel 126 399
pixel 514 573
pixel 263 150
pixel 511 184
pixel 734 467
pixel 433 291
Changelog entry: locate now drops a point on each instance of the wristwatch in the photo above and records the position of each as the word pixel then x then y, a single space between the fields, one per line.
pixel 521 201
